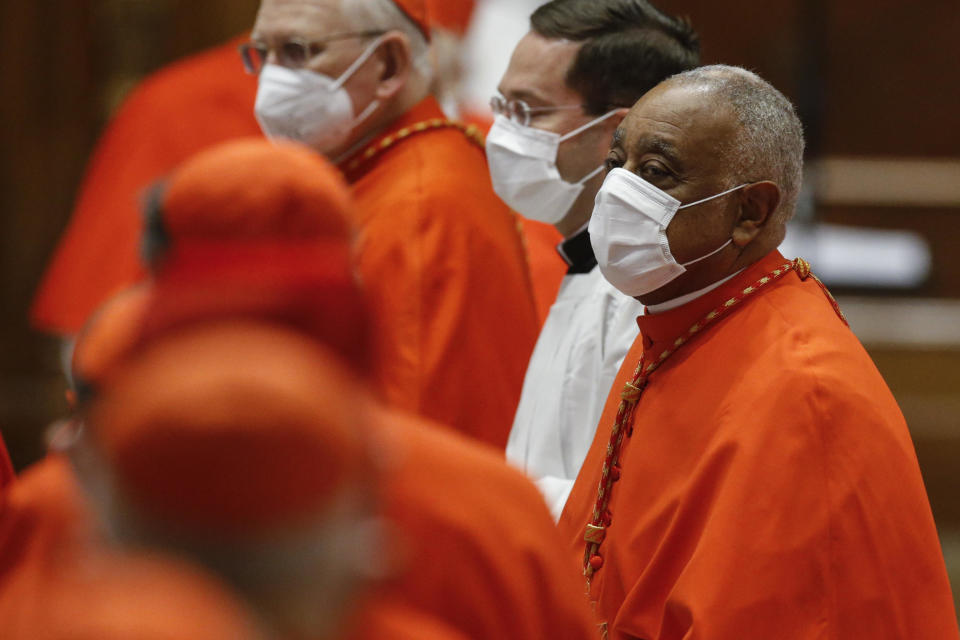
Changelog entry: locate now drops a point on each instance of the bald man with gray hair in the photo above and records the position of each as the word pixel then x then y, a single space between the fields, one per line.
pixel 771 141
pixel 752 475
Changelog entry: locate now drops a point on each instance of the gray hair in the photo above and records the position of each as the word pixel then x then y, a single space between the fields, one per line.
pixel 770 146
pixel 386 15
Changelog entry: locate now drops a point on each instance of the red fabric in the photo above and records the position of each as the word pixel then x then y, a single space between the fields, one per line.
pixel 108 336
pixel 57 582
pixel 253 229
pixel 173 114
pixel 769 487
pixel 483 556
pixel 252 189
pixel 547 268
pixel 453 15
pixel 44 521
pixel 416 10
pixel 231 427
pixel 446 276
pixel 6 467
pixel 399 622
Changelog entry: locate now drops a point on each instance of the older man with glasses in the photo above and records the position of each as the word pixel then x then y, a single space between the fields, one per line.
pixel 569 84
pixel 439 253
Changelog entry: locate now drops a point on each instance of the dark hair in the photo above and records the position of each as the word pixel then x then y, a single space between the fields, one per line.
pixel 629 47
pixel 155 240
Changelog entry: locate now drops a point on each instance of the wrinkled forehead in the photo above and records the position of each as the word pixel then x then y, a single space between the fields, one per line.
pixel 285 19
pixel 691 120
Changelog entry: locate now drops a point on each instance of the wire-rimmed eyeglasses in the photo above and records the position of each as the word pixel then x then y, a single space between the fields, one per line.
pixel 520 112
pixel 294 53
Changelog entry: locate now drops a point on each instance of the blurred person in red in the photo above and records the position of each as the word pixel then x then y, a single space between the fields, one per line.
pixel 61 579
pixel 174 113
pixel 221 255
pixel 242 446
pixel 439 253
pixel 123 596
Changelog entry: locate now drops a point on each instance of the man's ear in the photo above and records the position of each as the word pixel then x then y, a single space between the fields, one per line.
pixel 611 123
pixel 396 64
pixel 758 202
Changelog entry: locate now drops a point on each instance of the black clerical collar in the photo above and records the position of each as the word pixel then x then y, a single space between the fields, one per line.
pixel 577 252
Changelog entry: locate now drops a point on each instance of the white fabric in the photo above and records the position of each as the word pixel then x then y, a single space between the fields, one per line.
pixel 689 297
pixel 587 334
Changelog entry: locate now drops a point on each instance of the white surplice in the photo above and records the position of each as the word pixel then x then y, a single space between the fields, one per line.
pixel 587 334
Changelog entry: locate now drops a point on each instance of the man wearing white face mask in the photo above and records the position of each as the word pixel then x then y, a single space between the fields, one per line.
pixel 752 476
pixel 438 252
pixel 568 86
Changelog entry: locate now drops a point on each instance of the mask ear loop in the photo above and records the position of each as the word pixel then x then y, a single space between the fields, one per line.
pixel 356 64
pixel 712 253
pixel 590 175
pixel 590 124
pixel 348 73
pixel 691 204
pixel 725 244
pixel 580 130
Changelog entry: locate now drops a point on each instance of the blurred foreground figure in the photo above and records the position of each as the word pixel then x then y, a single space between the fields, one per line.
pixel 570 82
pixel 241 446
pixel 60 580
pixel 480 557
pixel 130 597
pixel 752 476
pixel 184 108
pixel 439 254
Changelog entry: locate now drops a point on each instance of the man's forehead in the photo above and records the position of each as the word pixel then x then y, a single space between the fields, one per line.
pixel 538 69
pixel 676 115
pixel 299 18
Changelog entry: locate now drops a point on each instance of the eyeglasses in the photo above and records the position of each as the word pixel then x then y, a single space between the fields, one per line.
pixel 520 112
pixel 294 53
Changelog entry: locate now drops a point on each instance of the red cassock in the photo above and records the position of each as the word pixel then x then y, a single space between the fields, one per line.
pixel 44 521
pixel 57 582
pixel 180 110
pixel 768 486
pixel 443 262
pixel 481 555
pixel 399 622
pixel 547 268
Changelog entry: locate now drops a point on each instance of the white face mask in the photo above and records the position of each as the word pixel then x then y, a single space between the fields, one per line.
pixel 309 107
pixel 628 231
pixel 523 167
